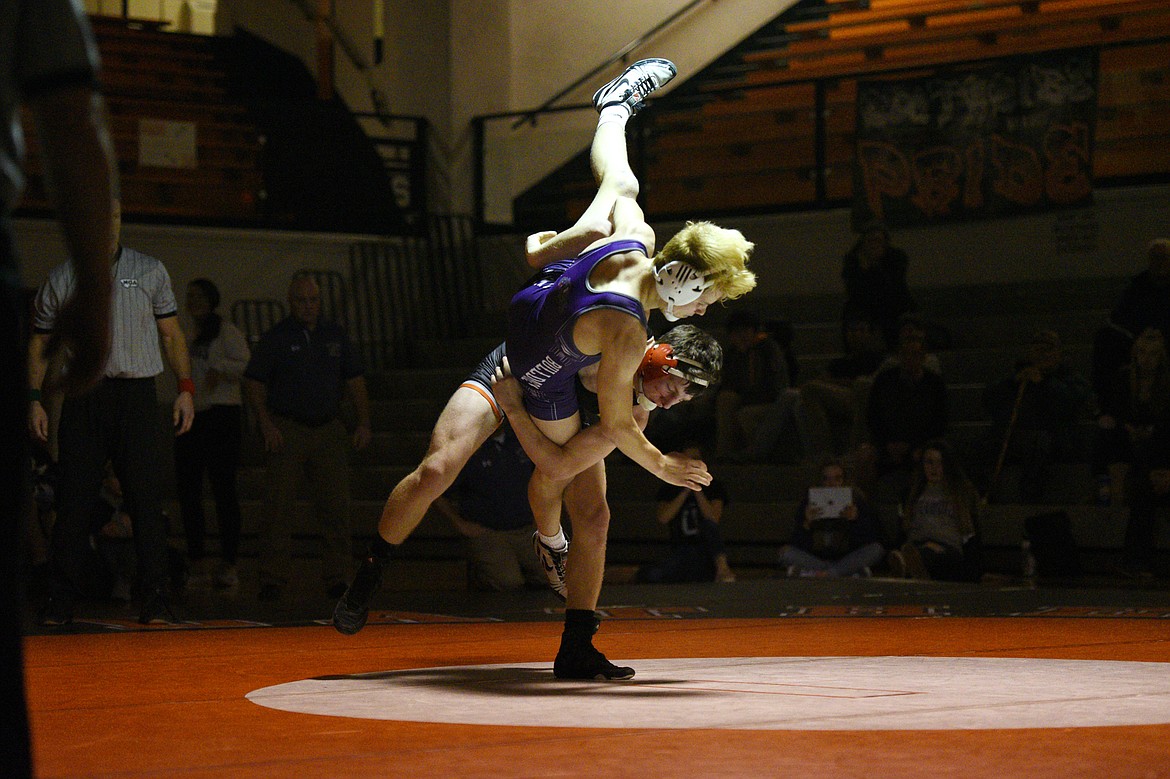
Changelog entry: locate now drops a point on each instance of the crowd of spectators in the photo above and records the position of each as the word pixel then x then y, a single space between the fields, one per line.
pixel 883 401
pixel 874 421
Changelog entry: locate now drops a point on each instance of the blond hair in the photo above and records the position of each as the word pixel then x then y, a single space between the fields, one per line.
pixel 719 253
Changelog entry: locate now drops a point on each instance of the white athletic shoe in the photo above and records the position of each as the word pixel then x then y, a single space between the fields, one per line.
pixel 634 84
pixel 553 562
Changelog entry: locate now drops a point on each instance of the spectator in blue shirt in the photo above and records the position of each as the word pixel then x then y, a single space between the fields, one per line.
pixel 295 381
pixel 488 505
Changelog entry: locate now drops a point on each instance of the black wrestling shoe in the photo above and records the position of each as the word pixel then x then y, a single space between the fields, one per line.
pixel 585 662
pixel 635 84
pixel 353 609
pixel 553 563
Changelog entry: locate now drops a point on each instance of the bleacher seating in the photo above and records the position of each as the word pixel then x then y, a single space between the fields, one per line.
pixel 988 324
pixel 268 152
pixel 149 74
pixel 770 125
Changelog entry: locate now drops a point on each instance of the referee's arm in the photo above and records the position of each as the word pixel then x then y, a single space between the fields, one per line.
pixel 175 345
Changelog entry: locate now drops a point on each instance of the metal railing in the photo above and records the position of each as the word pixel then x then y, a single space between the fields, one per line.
pixel 643 138
pixel 256 316
pixel 618 56
pixel 409 289
pixel 399 291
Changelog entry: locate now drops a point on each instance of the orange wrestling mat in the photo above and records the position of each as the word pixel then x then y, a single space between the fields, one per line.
pixel 1055 696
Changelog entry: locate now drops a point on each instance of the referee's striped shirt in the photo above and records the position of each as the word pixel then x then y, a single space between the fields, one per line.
pixel 142 294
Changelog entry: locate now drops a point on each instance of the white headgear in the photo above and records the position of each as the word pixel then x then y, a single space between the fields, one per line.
pixel 678 284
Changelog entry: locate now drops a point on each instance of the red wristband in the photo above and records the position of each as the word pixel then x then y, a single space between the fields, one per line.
pixel 188 386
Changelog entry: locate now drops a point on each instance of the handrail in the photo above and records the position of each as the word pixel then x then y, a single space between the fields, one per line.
pixel 619 55
pixel 820 83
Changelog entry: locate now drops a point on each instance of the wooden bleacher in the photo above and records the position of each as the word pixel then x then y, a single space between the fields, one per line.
pixel 913 33
pixel 742 134
pixel 151 74
pixel 988 323
pixel 1133 111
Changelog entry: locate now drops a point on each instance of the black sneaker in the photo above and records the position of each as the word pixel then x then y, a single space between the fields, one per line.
pixel 635 84
pixel 586 662
pixel 353 609
pixel 553 562
pixel 57 610
pixel 157 611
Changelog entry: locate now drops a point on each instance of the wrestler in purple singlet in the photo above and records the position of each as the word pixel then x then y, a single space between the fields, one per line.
pixel 541 316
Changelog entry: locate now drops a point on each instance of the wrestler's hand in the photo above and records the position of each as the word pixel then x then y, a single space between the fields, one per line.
pixel 683 471
pixel 536 240
pixel 507 390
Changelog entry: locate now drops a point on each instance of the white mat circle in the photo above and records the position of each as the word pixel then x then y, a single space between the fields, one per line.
pixel 756 693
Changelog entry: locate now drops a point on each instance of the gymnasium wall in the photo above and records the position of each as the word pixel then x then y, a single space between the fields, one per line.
pixel 447 61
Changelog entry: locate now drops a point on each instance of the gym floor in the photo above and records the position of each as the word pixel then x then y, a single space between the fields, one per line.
pixel 865 677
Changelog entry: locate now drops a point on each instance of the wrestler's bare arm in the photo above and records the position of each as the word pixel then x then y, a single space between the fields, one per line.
pixel 621 351
pixel 630 222
pixel 559 462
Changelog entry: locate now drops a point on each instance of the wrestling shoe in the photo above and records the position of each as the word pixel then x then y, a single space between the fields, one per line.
pixel 584 661
pixel 553 562
pixel 635 84
pixel 353 608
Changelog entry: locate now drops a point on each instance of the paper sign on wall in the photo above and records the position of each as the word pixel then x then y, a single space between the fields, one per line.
pixel 166 144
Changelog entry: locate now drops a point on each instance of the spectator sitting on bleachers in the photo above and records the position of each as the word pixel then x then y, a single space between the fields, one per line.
pixel 488 505
pixel 1150 496
pixel 1144 303
pixel 835 400
pixel 874 273
pixel 783 332
pixel 912 327
pixel 774 432
pixel 1137 401
pixel 907 407
pixel 838 539
pixel 755 376
pixel 696 542
pixel 1039 407
pixel 939 521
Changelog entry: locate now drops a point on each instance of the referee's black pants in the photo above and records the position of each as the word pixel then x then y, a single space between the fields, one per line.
pixel 119 422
